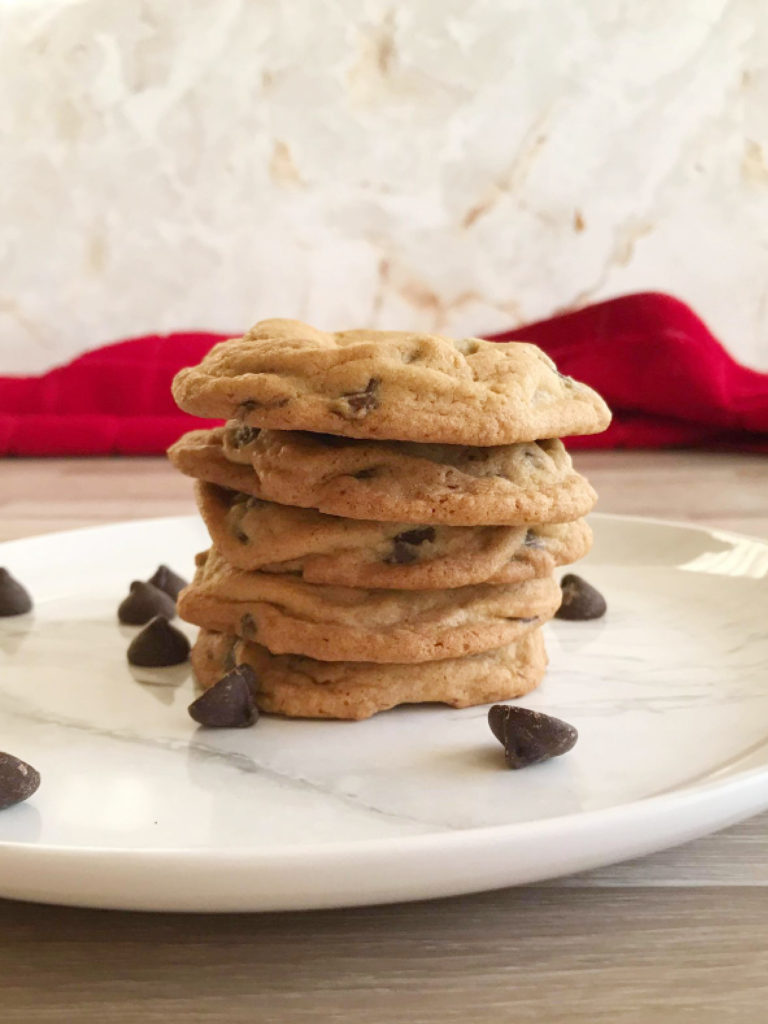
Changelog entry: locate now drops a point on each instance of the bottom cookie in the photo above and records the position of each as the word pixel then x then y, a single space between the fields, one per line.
pixel 300 687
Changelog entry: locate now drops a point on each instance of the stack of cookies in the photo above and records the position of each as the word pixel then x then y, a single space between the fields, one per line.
pixel 386 511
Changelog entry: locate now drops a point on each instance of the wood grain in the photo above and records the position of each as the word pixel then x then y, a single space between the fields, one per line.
pixel 525 955
pixel 677 937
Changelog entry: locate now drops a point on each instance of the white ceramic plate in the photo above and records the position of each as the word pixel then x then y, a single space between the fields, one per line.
pixel 139 809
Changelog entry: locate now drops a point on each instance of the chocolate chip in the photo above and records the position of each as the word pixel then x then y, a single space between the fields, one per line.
pixel 405 543
pixel 18 780
pixel 529 736
pixel 229 704
pixel 244 435
pixel 14 599
pixel 533 540
pixel 360 403
pixel 417 536
pixel 168 581
pixel 248 627
pixel 580 599
pixel 158 645
pixel 251 404
pixel 402 554
pixel 497 717
pixel 144 602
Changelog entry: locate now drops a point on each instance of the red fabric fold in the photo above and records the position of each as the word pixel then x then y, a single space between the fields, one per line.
pixel 666 377
pixel 114 400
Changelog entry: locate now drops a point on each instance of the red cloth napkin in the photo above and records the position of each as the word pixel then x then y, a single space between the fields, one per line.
pixel 667 379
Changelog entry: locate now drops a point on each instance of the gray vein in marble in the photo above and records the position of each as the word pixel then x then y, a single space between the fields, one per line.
pixel 241 763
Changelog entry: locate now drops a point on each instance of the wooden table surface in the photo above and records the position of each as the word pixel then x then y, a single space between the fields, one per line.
pixel 679 936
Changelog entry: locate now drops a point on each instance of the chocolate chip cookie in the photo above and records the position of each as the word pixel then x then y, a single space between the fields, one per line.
pixel 396 385
pixel 254 534
pixel 510 485
pixel 300 687
pixel 289 616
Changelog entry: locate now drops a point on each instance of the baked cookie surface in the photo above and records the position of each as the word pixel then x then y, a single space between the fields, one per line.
pixel 398 385
pixel 402 482
pixel 301 687
pixel 253 534
pixel 289 616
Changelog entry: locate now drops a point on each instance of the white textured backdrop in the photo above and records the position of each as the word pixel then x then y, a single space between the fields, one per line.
pixel 436 164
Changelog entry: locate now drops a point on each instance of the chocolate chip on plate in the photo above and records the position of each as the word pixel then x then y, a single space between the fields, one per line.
pixel 144 602
pixel 229 703
pixel 18 780
pixel 580 599
pixel 14 599
pixel 168 581
pixel 529 736
pixel 158 645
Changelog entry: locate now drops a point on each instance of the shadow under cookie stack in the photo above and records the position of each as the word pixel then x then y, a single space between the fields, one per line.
pixel 386 512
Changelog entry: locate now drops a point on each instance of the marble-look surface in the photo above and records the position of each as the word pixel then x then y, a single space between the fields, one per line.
pixel 439 165
pixel 678 935
pixel 667 693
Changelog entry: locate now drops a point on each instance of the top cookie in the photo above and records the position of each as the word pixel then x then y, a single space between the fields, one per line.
pixel 393 385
